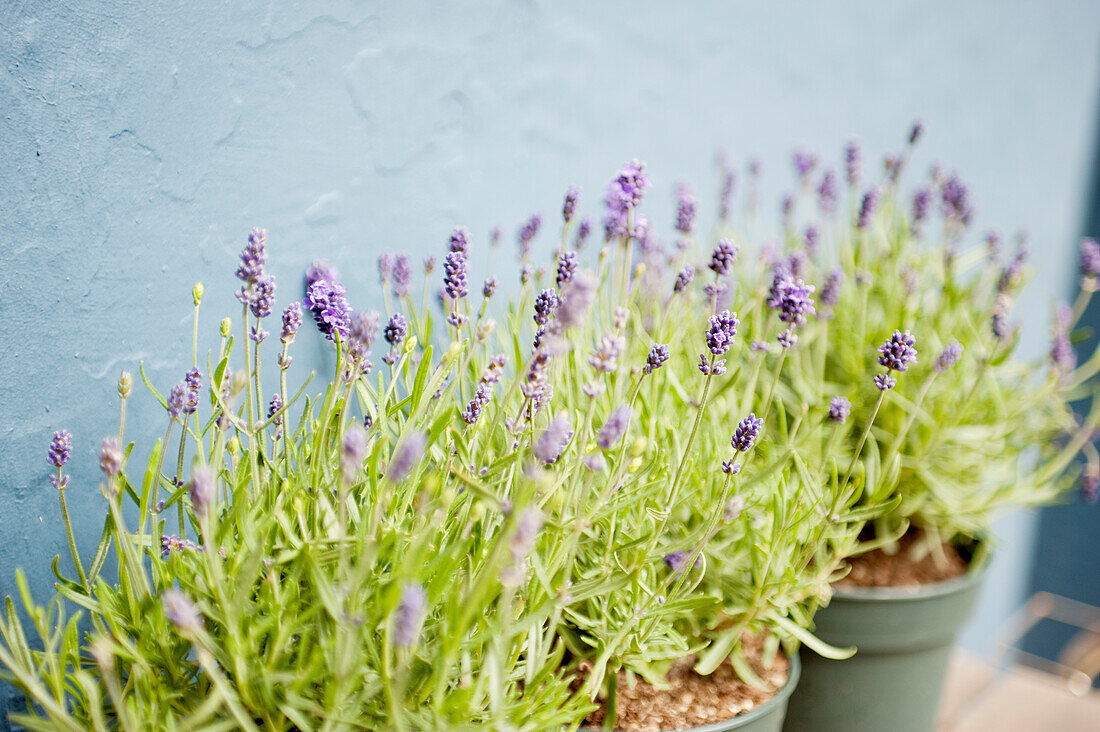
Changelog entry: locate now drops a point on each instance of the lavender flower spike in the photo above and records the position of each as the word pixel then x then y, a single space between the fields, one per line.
pixel 684 278
pixel 614 428
pixel 569 207
pixel 396 330
pixel 409 615
pixel 656 358
pixel 110 457
pixel 723 257
pixel 402 274
pixel 292 320
pixel 454 275
pixel 520 546
pixel 1090 258
pixel 748 430
pixel 203 490
pixel 554 439
pixel 867 208
pixel 326 300
pixel 567 266
pixel 898 351
pixel 952 352
pixel 460 240
pixel 406 456
pixel 839 409
pixel 61 448
pixel 884 382
pixel 723 327
pixel 181 611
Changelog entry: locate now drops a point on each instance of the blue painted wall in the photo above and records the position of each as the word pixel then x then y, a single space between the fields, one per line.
pixel 141 140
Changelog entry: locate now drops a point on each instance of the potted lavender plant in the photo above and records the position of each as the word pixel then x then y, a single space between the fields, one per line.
pixel 916 339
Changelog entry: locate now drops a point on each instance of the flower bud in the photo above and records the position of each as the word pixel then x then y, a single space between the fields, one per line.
pixel 125 384
pixel 196 293
pixel 226 325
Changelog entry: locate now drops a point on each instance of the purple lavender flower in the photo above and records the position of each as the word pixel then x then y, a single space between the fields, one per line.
pixel 950 356
pixel 605 357
pixel 684 278
pixel 402 275
pixel 729 179
pixel 852 164
pixel 546 302
pixel 595 462
pixel 353 452
pixel 898 351
pixel 527 232
pixel 396 330
pixel 730 468
pixel 723 257
pixel 253 256
pixel 1090 258
pixel 177 399
pixel 583 231
pixel 892 165
pixel 520 546
pixel 676 561
pixel 292 320
pixel 922 200
pixel 454 275
pixel 325 299
pixel 61 448
pixel 362 332
pixel 429 265
pixel 1061 350
pixel 181 612
pixel 569 207
pixel 489 288
pixel 273 408
pixel 811 239
pixel 406 456
pixel 791 297
pixel 787 338
pixel 993 244
pixel 482 396
pixel 796 264
pixel 614 428
pixel 915 131
pixel 756 167
pixel 173 543
pixel 554 439
pixel 827 192
pixel 867 208
pixel 804 162
pixel 110 457
pixel 708 369
pixel 723 327
pixel 386 263
pixel 576 298
pixel 409 615
pixel 685 213
pixel 321 270
pixel 786 208
pixel 956 200
pixel 883 382
pixel 256 334
pixel 567 265
pixel 460 240
pixel 1013 272
pixel 744 437
pixel 203 489
pixel 999 321
pixel 839 409
pixel 656 358
pixel 263 296
pixel 625 192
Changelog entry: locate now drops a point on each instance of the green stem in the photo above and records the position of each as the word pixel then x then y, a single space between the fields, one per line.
pixel 863 438
pixel 69 532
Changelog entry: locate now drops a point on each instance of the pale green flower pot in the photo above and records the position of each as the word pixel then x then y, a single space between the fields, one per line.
pixel 894 681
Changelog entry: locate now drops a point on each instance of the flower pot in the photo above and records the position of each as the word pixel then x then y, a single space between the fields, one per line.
pixel 903 637
pixel 768 717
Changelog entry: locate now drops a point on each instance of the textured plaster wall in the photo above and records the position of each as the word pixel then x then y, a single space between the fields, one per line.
pixel 141 140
